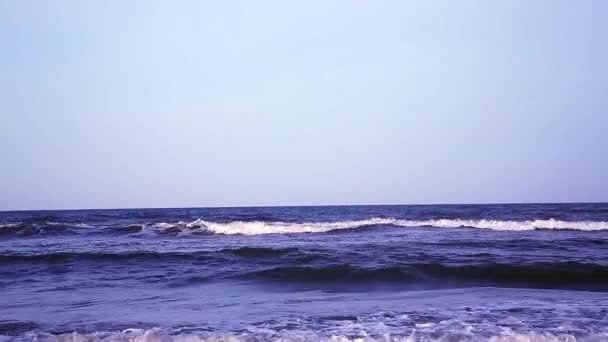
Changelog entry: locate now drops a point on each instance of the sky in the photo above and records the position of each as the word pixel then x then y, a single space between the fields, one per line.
pixel 190 103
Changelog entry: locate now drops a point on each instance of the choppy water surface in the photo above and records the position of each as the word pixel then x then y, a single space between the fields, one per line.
pixel 387 273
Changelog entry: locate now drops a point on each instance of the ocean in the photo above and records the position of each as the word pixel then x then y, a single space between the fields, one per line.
pixel 521 272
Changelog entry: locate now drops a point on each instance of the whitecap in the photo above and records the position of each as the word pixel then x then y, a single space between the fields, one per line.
pixel 278 227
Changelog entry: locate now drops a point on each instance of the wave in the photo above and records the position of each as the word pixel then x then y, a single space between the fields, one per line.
pixel 261 227
pixel 204 227
pixel 41 228
pixel 297 266
pixel 587 210
pixel 60 257
pixel 549 275
pixel 259 252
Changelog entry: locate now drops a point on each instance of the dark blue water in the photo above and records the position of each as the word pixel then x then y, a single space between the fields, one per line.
pixel 377 273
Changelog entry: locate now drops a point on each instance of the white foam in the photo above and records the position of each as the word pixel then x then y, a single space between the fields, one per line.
pixel 261 227
pixel 512 225
pixel 157 335
pixel 76 225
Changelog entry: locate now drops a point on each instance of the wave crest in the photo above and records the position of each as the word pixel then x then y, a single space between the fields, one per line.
pixel 571 275
pixel 261 227
pixel 204 227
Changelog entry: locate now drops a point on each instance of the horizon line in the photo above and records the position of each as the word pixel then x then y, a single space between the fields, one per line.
pixel 305 205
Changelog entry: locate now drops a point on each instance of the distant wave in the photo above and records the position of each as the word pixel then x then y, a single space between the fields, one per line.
pixel 41 228
pixel 204 227
pixel 60 257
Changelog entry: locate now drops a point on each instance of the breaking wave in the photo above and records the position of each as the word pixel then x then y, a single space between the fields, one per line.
pixel 204 227
pixel 261 227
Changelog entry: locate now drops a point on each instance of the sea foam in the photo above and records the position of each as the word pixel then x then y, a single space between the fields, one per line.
pixel 277 227
pixel 157 335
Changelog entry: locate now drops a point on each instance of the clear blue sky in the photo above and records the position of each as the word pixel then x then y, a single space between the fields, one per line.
pixel 108 104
